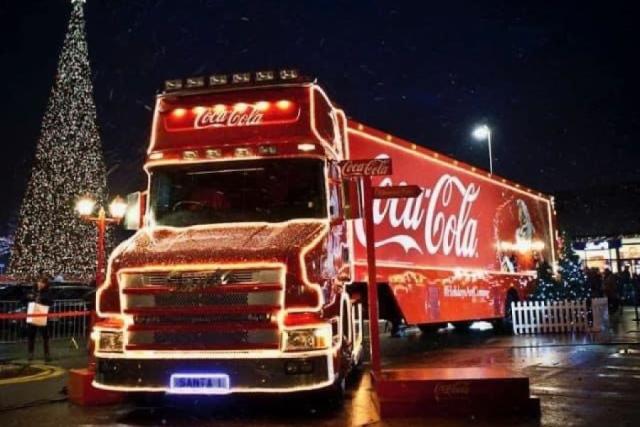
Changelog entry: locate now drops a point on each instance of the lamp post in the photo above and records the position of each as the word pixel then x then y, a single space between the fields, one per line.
pixel 481 133
pixel 117 209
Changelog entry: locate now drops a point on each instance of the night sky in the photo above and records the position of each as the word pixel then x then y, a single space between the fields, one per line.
pixel 555 80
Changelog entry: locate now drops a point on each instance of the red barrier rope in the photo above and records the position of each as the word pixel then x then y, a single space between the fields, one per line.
pixel 13 316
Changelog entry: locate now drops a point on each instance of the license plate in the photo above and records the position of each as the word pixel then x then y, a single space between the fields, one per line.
pixel 199 384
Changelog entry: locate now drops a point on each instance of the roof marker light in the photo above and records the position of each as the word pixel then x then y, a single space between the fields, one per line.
pixel 262 105
pixel 179 112
pixel 199 109
pixel 283 104
pixel 156 155
pixel 189 155
pixel 175 84
pixel 263 76
pixel 241 107
pixel 218 79
pixel 306 147
pixel 241 78
pixel 195 82
pixel 219 108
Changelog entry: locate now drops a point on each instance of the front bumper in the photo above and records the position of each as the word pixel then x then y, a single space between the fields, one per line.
pixel 245 375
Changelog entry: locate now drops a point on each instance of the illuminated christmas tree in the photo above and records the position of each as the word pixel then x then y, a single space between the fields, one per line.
pixel 68 164
pixel 573 279
pixel 571 283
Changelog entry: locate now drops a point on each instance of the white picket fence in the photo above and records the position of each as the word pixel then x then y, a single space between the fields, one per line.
pixel 534 317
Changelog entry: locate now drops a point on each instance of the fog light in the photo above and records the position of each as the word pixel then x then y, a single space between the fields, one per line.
pixel 110 342
pixel 267 149
pixel 295 367
pixel 242 152
pixel 213 153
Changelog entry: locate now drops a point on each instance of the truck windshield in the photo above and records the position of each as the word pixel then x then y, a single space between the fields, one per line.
pixel 272 190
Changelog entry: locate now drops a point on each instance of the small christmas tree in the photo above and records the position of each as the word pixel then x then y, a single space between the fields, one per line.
pixel 571 284
pixel 573 280
pixel 68 164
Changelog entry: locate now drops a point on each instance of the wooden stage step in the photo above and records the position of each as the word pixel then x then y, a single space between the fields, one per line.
pixel 453 391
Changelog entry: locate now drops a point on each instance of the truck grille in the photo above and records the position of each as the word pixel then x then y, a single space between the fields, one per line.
pixel 218 309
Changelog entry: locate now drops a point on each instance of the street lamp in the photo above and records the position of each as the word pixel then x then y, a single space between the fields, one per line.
pixel 481 133
pixel 117 209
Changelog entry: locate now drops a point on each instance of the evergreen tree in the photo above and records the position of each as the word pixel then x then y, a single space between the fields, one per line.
pixel 68 164
pixel 573 280
pixel 571 283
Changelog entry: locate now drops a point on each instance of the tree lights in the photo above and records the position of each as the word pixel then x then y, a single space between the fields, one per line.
pixel 68 163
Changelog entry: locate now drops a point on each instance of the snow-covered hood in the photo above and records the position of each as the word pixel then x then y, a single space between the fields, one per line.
pixel 235 243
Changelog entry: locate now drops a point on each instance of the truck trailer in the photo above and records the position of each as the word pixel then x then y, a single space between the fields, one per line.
pixel 247 269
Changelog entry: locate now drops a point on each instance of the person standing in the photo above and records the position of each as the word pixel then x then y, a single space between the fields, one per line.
pixel 41 295
pixel 610 287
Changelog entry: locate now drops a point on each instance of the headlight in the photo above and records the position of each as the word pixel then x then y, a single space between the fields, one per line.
pixel 307 339
pixel 110 341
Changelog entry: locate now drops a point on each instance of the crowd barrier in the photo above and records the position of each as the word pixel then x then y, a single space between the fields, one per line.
pixel 66 319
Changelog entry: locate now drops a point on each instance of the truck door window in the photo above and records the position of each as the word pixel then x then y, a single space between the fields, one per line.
pixel 272 190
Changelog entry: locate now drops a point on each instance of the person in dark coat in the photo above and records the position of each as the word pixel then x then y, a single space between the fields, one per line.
pixel 41 295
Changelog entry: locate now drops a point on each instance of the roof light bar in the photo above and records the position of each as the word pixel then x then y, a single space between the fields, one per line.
pixel 263 76
pixel 195 82
pixel 288 74
pixel 175 84
pixel 218 79
pixel 241 78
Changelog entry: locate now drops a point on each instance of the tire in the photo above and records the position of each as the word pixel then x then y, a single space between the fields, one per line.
pixel 463 326
pixel 430 328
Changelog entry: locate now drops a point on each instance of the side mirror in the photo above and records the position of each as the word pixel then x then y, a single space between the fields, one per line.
pixel 351 196
pixel 134 217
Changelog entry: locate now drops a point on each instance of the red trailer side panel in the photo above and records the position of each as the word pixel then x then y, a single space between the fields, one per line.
pixel 452 253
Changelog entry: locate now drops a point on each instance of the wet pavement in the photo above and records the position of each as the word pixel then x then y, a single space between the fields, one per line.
pixel 582 380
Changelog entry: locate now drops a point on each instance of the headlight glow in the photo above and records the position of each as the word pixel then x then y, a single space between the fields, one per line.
pixel 110 341
pixel 307 339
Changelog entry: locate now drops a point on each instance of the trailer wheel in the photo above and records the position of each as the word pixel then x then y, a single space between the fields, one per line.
pixel 431 328
pixel 463 326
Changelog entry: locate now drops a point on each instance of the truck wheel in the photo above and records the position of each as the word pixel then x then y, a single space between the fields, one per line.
pixel 431 328
pixel 463 326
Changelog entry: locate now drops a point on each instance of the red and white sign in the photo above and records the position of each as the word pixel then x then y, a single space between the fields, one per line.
pixel 396 192
pixel 458 220
pixel 366 167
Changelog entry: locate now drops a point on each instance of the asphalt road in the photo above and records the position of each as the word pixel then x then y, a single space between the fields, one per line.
pixel 582 380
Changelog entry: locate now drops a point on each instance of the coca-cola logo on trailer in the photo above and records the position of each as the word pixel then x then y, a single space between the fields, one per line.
pixel 437 222
pixel 211 117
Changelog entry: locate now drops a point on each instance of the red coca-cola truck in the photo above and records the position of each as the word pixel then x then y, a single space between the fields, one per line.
pixel 246 273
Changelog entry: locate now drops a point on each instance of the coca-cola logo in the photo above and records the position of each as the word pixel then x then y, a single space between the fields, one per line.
pixel 456 390
pixel 367 167
pixel 211 117
pixel 437 222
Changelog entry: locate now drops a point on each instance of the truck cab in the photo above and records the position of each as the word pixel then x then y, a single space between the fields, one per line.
pixel 236 280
